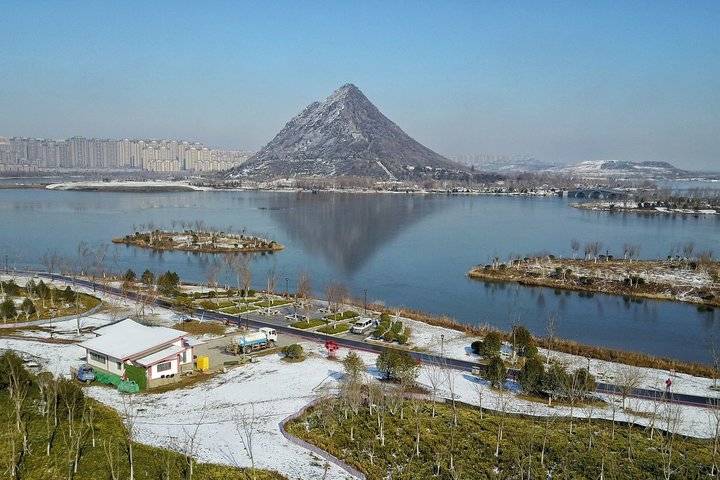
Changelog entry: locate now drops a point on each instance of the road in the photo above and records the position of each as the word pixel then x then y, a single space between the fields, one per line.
pixel 256 321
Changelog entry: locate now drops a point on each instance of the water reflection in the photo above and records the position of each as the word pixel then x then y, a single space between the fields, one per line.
pixel 345 229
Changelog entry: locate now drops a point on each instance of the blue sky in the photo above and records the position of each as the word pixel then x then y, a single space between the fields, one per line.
pixel 564 81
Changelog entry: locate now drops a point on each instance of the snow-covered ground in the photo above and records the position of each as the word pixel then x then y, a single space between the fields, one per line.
pixel 272 388
pixel 456 344
pixel 129 184
pixel 275 389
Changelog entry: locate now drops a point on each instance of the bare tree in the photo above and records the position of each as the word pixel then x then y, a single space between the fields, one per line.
pixel 335 294
pixel 502 403
pixel 436 377
pixel 129 418
pixel 672 419
pixel 304 288
pixel 211 274
pixel 592 250
pixel 50 260
pixel 246 424
pixel 575 247
pixel 550 329
pixel 627 379
pixel 239 265
pixel 111 451
pixel 190 444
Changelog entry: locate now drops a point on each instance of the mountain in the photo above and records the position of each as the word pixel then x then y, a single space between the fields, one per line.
pixel 345 135
pixel 505 163
pixel 622 168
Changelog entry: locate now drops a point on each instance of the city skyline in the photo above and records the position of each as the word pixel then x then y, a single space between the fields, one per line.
pixel 566 83
pixel 24 154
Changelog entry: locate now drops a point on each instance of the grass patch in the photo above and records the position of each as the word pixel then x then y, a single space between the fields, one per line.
pixel 305 324
pixel 201 328
pixel 590 448
pixel 334 329
pixel 234 310
pixel 346 315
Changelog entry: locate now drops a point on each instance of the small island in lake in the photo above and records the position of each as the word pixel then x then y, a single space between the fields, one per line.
pixel 677 279
pixel 199 241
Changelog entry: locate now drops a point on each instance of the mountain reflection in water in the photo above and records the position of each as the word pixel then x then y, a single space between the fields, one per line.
pixel 346 229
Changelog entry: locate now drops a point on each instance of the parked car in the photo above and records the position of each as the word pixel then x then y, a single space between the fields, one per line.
pixel 362 325
pixel 86 373
pixel 295 317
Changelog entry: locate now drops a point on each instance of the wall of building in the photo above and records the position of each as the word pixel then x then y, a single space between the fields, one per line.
pixel 154 373
pixel 111 364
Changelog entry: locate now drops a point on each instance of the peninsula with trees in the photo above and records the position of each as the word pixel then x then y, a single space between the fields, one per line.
pixel 200 241
pixel 683 276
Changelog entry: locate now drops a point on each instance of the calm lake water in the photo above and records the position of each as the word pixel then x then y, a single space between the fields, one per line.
pixel 405 250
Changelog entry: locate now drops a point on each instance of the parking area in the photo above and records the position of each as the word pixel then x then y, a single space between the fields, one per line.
pixel 216 349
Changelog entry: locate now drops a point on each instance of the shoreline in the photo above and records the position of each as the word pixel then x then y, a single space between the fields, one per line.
pixel 140 242
pixel 613 277
pixel 612 208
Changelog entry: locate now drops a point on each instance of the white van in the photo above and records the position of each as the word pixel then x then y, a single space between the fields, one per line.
pixel 362 325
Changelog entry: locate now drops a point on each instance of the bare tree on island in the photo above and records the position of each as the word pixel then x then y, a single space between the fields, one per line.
pixel 575 247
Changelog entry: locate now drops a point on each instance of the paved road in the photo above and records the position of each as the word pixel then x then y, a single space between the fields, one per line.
pixel 257 321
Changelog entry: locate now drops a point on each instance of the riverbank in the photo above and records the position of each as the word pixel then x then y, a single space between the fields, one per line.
pixel 199 242
pixel 690 281
pixel 633 207
pixel 127 186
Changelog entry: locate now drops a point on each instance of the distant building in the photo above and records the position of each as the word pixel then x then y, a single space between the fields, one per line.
pixel 98 154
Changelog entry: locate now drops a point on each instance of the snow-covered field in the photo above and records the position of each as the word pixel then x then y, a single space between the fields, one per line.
pixel 457 345
pixel 275 389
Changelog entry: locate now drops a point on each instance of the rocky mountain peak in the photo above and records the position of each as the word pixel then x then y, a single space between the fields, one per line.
pixel 344 135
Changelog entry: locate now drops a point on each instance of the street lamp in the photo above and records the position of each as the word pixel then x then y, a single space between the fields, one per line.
pixel 287 287
pixel 365 300
pixel 442 344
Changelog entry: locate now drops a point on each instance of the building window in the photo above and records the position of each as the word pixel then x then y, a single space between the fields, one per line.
pixel 96 357
pixel 163 367
pixel 119 365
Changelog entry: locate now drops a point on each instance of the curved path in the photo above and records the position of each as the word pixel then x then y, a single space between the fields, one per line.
pixel 457 364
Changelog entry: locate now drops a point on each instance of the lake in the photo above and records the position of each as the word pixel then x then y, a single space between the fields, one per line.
pixel 404 250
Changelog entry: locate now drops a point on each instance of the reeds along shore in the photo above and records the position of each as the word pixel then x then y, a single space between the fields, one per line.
pixel 561 345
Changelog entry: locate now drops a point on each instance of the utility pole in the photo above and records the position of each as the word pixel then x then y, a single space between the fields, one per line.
pixel 365 300
pixel 287 287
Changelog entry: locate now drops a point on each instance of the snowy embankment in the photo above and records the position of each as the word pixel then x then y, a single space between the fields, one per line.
pixel 456 344
pixel 150 185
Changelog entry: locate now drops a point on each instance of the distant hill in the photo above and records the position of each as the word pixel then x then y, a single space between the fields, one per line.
pixel 621 168
pixel 345 135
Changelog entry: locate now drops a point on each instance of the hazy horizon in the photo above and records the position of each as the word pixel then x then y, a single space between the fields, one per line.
pixel 572 82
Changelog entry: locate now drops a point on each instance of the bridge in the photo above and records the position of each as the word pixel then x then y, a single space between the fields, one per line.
pixel 595 194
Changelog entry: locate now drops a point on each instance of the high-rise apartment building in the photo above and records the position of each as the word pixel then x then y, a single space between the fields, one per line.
pixel 93 153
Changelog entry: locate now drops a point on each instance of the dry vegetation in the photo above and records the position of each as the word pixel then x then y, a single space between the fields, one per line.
pixel 694 281
pixel 561 345
pixel 199 241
